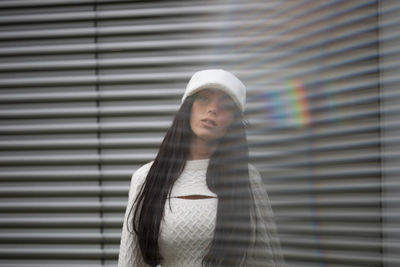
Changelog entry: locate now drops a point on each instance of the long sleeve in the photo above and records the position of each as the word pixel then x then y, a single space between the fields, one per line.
pixel 266 250
pixel 129 252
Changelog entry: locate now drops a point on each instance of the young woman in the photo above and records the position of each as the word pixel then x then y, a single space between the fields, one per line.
pixel 200 202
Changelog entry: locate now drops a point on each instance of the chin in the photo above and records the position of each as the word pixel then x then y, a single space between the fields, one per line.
pixel 206 137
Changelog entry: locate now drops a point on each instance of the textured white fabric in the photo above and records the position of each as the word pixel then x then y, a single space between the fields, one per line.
pixel 129 252
pixel 187 231
pixel 192 180
pixel 188 225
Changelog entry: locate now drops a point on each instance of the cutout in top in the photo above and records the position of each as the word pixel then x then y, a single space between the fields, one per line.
pixel 195 197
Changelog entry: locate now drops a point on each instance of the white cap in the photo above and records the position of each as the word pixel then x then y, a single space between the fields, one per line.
pixel 217 79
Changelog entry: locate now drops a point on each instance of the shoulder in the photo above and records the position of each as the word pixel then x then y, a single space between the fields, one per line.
pixel 255 179
pixel 143 170
pixel 140 174
pixel 253 173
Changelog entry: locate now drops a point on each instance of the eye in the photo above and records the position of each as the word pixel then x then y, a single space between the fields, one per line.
pixel 202 98
pixel 228 106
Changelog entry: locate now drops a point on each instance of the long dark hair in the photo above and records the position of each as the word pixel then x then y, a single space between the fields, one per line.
pixel 227 176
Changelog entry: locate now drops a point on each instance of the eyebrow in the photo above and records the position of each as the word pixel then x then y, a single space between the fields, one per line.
pixel 224 97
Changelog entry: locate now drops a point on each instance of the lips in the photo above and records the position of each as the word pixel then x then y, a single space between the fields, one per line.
pixel 209 123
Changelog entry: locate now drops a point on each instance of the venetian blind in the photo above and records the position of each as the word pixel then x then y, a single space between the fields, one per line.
pixel 88 89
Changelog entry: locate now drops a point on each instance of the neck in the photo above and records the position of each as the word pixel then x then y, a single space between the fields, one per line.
pixel 201 149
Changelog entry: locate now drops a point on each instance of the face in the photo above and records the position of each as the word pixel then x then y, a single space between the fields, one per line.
pixel 212 114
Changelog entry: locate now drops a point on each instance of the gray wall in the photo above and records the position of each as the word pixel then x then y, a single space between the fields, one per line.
pixel 88 89
pixel 390 94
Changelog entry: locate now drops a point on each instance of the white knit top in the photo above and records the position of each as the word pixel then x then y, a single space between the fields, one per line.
pixel 187 228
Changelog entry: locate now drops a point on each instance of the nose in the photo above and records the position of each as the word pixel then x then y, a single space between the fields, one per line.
pixel 212 108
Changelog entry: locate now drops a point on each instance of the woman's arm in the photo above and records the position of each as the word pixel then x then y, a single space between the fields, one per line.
pixel 129 252
pixel 266 250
